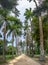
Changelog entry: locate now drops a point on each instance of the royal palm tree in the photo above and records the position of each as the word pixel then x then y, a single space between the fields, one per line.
pixel 42 55
pixel 26 27
pixel 6 7
pixel 15 29
pixel 28 16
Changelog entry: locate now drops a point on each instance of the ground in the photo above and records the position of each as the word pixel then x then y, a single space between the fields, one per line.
pixel 24 60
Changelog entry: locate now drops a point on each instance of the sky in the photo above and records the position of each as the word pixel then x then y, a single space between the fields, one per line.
pixel 23 5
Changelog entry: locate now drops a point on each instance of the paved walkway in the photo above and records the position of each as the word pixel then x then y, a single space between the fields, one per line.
pixel 23 60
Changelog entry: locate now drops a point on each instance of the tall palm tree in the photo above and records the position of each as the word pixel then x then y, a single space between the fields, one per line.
pixel 28 16
pixel 42 56
pixel 6 7
pixel 4 21
pixel 15 29
pixel 26 27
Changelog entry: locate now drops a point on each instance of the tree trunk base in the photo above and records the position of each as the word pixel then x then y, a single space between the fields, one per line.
pixel 42 58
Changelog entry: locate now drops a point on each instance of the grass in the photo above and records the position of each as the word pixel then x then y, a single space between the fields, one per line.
pixel 8 58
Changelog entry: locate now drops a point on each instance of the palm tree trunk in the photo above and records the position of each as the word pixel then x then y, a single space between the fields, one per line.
pixel 32 47
pixel 42 55
pixel 16 45
pixel 12 43
pixel 32 39
pixel 27 42
pixel 4 46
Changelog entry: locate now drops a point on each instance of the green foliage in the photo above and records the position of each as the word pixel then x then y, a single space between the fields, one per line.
pixel 9 50
pixel 8 4
pixel 35 29
pixel 28 16
pixel 12 23
pixel 44 5
pixel 3 12
pixel 36 32
pixel 1 46
pixel 28 13
pixel 15 25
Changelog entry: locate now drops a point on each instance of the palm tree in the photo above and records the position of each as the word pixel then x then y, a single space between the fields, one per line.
pixel 15 29
pixel 26 27
pixel 42 56
pixel 28 16
pixel 6 7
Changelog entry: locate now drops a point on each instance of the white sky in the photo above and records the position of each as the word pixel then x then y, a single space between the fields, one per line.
pixel 23 4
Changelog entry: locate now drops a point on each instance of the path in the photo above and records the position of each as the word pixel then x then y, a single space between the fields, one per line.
pixel 23 60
